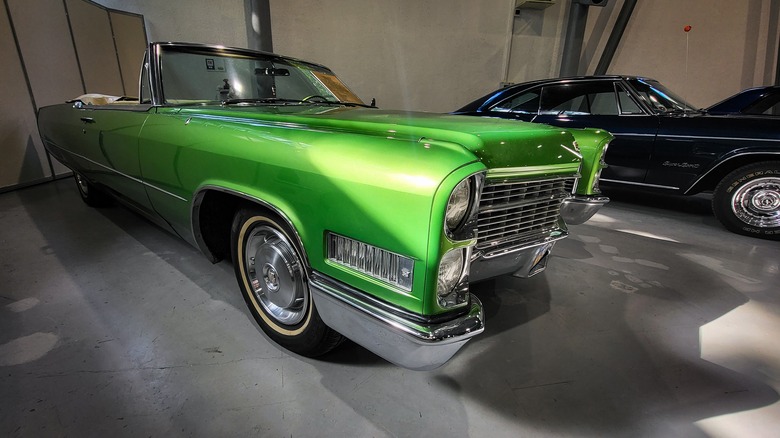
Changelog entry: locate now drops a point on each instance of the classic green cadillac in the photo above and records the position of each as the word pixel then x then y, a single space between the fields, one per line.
pixel 341 220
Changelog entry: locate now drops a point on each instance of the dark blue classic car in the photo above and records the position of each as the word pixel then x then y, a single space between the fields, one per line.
pixel 661 142
pixel 753 101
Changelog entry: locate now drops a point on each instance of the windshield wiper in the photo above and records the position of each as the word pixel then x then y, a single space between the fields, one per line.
pixel 340 102
pixel 362 105
pixel 303 101
pixel 259 100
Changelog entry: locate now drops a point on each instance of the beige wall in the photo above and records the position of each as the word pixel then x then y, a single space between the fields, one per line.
pixel 131 35
pixel 49 56
pixel 732 46
pixel 23 158
pixel 432 55
pixel 92 36
pixel 437 55
pixel 195 21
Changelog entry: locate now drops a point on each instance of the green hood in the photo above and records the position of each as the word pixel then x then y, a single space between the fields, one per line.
pixel 496 143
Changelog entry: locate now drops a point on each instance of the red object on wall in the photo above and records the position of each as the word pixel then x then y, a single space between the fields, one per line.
pixel 687 28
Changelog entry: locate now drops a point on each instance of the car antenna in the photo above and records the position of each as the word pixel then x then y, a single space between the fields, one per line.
pixel 686 29
pixel 373 102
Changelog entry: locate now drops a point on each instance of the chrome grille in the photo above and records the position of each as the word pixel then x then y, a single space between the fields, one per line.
pixel 570 183
pixel 517 212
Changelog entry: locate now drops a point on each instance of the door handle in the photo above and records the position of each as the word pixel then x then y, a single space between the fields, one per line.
pixel 88 120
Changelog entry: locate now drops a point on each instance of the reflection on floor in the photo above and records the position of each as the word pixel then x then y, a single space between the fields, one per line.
pixel 651 320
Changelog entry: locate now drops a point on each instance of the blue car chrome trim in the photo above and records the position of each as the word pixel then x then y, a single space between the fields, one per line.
pixel 630 134
pixel 144 183
pixel 705 174
pixel 706 137
pixel 657 186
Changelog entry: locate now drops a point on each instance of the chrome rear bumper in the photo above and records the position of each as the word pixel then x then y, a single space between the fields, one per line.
pixel 578 209
pixel 396 338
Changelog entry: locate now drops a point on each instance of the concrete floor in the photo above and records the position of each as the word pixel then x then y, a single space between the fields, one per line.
pixel 651 320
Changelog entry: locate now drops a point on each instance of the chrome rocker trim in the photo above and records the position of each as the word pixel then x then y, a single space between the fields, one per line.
pixel 579 209
pixel 406 343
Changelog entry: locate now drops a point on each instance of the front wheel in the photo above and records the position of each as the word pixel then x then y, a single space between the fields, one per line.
pixel 747 200
pixel 272 277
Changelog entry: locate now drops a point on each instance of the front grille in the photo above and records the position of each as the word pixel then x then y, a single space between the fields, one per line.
pixel 570 184
pixel 519 212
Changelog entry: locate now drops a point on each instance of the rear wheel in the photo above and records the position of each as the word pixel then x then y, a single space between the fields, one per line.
pixel 91 195
pixel 747 200
pixel 273 281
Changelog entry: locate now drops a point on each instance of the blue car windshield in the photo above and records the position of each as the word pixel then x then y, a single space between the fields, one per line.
pixel 659 97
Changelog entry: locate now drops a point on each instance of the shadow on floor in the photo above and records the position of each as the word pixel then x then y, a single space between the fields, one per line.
pixel 563 352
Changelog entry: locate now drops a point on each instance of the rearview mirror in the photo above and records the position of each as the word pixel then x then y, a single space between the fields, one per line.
pixel 272 71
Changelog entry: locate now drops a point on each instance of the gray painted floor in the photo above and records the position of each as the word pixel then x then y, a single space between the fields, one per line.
pixel 650 321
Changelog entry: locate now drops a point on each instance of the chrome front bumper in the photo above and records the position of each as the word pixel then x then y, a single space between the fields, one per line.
pixel 522 262
pixel 578 209
pixel 392 336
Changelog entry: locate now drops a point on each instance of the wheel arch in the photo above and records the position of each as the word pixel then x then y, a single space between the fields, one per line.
pixel 213 209
pixel 710 179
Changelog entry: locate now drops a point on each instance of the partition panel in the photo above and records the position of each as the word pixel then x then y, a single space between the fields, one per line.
pixel 95 47
pixel 130 40
pixel 44 39
pixel 24 160
pixel 47 47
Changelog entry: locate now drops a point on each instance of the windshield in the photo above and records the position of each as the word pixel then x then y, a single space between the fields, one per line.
pixel 659 97
pixel 208 76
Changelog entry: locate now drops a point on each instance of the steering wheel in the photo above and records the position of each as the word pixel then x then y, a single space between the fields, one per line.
pixel 314 96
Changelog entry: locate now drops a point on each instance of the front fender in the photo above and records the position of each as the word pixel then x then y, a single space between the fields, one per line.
pixel 593 145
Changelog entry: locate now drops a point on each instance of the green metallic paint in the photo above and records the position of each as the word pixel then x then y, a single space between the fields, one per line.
pixel 439 242
pixel 381 177
pixel 592 143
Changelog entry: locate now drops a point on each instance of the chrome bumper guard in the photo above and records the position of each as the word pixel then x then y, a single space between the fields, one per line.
pixel 579 209
pixel 521 262
pixel 406 343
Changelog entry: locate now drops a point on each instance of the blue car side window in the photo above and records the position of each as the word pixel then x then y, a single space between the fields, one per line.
pixel 628 105
pixel 523 103
pixel 574 99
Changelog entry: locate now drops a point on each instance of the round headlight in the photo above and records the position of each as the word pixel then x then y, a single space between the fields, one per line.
pixel 450 270
pixel 458 204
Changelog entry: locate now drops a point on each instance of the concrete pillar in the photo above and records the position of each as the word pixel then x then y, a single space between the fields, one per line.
pixel 258 25
pixel 575 34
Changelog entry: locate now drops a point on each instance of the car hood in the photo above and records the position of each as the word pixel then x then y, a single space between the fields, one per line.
pixel 497 143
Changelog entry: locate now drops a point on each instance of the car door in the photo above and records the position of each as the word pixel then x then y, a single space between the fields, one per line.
pixel 605 104
pixel 111 144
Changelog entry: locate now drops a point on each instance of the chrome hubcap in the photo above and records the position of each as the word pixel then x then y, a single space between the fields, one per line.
pixel 276 275
pixel 757 203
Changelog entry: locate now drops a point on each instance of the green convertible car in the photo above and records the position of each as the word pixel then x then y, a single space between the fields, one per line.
pixel 341 220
